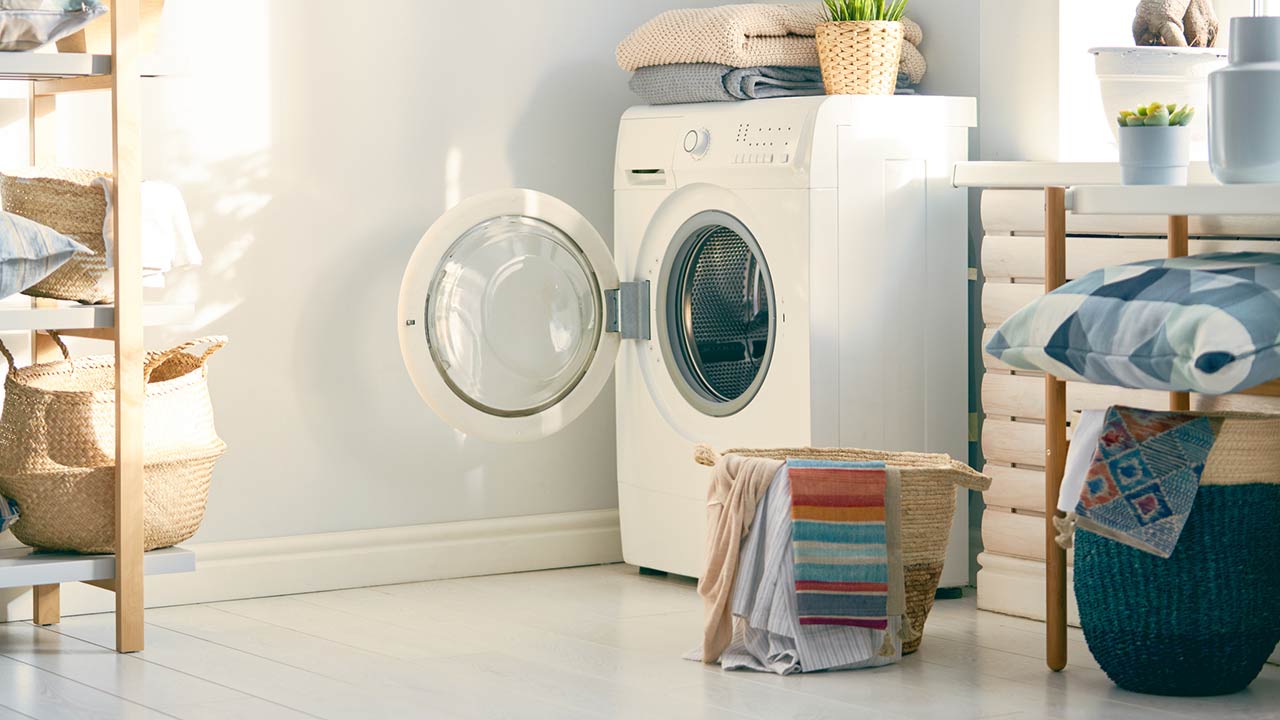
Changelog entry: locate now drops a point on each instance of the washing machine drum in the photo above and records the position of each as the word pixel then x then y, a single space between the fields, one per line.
pixel 502 315
pixel 718 327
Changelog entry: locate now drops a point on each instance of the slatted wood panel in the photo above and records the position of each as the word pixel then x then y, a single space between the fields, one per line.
pixel 1022 212
pixel 1015 586
pixel 1021 257
pixel 1020 488
pixel 1014 400
pixel 1022 396
pixel 1013 534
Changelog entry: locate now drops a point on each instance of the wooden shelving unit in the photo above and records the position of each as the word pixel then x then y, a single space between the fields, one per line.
pixel 120 73
pixel 1204 197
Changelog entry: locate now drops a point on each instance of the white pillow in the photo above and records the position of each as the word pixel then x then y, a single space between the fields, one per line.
pixel 30 252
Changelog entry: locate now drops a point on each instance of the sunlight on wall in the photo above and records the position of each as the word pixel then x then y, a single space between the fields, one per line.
pixel 217 115
pixel 452 177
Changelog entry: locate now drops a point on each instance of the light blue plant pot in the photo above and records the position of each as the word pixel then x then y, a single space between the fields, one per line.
pixel 1155 155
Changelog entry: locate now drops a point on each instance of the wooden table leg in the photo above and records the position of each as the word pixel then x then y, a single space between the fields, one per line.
pixel 48 604
pixel 1179 247
pixel 1055 436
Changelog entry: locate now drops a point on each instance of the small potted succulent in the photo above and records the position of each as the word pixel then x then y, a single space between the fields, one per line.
pixel 860 45
pixel 1155 144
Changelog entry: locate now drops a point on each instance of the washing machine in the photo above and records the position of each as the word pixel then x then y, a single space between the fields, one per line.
pixel 785 272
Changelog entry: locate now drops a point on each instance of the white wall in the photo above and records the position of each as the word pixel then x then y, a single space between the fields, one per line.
pixel 1039 97
pixel 315 143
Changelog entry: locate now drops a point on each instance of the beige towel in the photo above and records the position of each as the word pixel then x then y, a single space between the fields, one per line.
pixel 737 484
pixel 744 36
pixel 736 35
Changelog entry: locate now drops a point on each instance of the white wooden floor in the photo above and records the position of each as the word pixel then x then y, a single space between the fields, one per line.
pixel 600 642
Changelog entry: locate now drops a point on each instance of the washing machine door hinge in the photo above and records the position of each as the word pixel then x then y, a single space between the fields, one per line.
pixel 627 310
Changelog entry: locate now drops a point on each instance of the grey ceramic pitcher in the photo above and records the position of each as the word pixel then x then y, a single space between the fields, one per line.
pixel 1244 104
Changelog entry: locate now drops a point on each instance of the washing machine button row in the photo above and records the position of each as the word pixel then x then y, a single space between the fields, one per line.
pixel 760 158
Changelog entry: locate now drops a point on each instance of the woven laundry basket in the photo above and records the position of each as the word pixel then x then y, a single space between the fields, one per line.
pixel 929 483
pixel 860 57
pixel 67 201
pixel 1203 621
pixel 57 448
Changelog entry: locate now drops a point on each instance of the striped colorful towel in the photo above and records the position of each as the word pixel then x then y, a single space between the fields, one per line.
pixel 840 541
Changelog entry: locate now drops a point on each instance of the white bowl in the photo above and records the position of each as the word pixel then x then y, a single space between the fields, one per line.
pixel 1133 76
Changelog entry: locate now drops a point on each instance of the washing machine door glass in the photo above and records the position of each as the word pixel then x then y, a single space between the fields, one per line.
pixel 503 311
pixel 720 324
pixel 513 316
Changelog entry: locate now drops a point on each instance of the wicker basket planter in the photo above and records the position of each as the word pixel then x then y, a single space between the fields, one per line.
pixel 57 449
pixel 67 201
pixel 860 57
pixel 1203 621
pixel 929 485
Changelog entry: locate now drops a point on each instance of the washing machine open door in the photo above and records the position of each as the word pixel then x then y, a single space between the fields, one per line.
pixel 509 315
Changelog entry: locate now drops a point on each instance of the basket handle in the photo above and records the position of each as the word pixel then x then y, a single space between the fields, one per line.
pixel 155 360
pixel 57 340
pixel 967 477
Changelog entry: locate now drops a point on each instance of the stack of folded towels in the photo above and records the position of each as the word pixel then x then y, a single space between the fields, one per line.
pixel 738 52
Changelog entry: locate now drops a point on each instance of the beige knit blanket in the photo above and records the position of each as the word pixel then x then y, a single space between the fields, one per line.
pixel 737 484
pixel 754 35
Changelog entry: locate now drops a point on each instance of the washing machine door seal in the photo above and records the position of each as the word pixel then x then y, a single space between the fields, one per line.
pixel 509 315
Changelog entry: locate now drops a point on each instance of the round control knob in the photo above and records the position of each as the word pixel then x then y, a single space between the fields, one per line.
pixel 696 142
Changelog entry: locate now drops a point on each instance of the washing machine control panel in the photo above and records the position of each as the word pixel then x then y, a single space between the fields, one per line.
pixel 765 143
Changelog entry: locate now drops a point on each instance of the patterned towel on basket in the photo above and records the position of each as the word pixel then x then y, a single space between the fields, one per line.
pixel 846 543
pixel 1142 482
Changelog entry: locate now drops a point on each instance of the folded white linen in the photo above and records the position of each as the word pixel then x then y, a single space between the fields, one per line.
pixel 1086 431
pixel 168 242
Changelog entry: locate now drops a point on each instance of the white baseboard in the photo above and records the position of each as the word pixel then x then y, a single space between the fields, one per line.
pixel 1014 586
pixel 334 561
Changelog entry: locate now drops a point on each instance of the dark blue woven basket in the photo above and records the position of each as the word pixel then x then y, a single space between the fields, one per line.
pixel 1199 623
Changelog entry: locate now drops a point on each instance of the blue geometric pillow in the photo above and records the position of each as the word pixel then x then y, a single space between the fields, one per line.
pixel 29 252
pixel 1207 323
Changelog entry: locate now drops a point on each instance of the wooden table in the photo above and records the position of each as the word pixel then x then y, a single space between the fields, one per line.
pixel 1177 203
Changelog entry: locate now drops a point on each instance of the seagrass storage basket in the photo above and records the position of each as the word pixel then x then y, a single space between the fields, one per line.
pixel 860 57
pixel 57 448
pixel 1203 621
pixel 929 483
pixel 67 201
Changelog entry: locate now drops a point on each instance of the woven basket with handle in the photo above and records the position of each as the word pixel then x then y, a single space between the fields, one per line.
pixel 57 448
pixel 860 57
pixel 67 201
pixel 929 483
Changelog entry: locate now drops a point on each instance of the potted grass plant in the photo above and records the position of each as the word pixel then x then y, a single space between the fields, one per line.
pixel 1155 144
pixel 860 45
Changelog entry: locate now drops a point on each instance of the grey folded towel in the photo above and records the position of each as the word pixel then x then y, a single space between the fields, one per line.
pixel 709 82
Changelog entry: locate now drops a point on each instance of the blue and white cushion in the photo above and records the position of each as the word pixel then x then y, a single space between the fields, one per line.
pixel 30 252
pixel 8 513
pixel 1207 323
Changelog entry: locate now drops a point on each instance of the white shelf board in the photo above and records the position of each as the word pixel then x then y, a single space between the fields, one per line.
pixel 84 317
pixel 24 567
pixel 49 66
pixel 1037 175
pixel 1198 200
